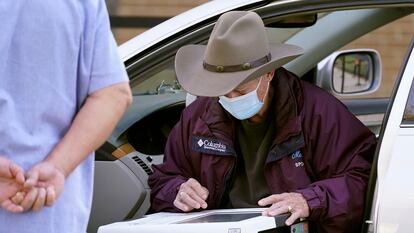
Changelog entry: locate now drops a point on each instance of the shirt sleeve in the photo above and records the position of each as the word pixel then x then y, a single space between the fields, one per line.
pixel 100 51
pixel 107 67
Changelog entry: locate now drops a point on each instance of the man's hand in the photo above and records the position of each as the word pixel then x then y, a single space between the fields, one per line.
pixel 11 181
pixel 191 195
pixel 44 183
pixel 98 116
pixel 293 203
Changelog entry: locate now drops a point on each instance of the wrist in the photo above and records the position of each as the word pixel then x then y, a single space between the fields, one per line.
pixel 59 166
pixel 315 205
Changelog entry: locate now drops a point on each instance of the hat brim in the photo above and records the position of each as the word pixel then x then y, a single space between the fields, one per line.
pixel 200 82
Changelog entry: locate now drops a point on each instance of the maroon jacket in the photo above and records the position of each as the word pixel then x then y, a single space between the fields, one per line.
pixel 320 150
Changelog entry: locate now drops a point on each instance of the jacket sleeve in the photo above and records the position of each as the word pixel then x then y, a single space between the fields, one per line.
pixel 341 150
pixel 168 176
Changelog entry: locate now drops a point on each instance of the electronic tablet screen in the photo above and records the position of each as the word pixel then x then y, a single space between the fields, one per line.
pixel 222 217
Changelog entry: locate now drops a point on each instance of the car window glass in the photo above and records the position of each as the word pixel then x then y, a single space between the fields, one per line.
pixel 165 81
pixel 409 108
pixel 391 41
pixel 280 35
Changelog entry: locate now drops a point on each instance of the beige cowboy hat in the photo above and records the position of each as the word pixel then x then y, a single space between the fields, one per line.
pixel 238 51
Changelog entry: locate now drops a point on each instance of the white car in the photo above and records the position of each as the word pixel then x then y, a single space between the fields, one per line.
pixel 321 27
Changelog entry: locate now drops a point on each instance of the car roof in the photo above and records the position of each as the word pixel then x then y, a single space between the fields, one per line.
pixel 178 23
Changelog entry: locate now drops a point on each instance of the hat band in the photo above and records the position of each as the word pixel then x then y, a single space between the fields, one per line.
pixel 241 67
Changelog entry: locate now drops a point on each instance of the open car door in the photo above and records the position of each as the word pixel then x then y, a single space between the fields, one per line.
pixel 393 200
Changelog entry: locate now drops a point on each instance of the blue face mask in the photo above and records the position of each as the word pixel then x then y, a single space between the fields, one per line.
pixel 245 106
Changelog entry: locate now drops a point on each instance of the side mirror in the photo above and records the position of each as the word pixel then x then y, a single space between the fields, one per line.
pixel 350 72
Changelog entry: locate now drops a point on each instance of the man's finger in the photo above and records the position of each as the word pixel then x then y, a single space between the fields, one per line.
pixel 195 196
pixel 270 199
pixel 293 217
pixel 32 178
pixel 11 207
pixel 40 200
pixel 177 203
pixel 18 198
pixel 278 205
pixel 200 190
pixel 29 199
pixel 186 199
pixel 50 195
pixel 276 210
pixel 205 193
pixel 41 184
pixel 198 199
pixel 5 167
pixel 17 172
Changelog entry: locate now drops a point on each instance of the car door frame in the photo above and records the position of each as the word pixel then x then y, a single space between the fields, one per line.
pixel 391 129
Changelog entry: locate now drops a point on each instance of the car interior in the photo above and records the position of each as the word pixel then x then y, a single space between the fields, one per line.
pixel 121 191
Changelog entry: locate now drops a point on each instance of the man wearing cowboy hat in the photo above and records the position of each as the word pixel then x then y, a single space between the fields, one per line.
pixel 259 136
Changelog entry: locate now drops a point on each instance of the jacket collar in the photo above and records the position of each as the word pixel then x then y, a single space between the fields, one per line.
pixel 287 104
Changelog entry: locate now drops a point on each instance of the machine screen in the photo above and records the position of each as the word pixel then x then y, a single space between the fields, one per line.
pixel 222 217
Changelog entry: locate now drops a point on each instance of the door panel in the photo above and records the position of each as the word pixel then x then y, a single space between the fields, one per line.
pixel 394 203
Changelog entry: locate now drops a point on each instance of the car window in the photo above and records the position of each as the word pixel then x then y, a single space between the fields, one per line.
pixel 409 108
pixel 165 81
pixel 391 41
pixel 394 39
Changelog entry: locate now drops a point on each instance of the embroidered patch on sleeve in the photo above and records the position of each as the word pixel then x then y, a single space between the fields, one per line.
pixel 211 146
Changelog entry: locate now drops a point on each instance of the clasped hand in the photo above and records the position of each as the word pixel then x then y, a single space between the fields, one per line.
pixel 40 186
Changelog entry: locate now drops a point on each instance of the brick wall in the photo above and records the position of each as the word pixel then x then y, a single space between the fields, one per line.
pixel 146 8
pixel 156 7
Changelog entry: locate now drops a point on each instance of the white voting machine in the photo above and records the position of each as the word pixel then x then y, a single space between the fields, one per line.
pixel 217 221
